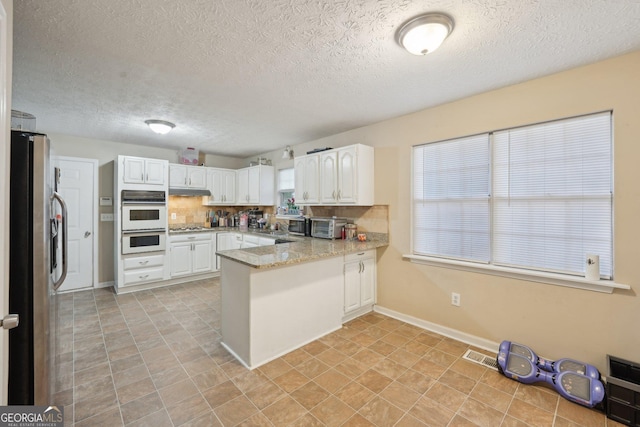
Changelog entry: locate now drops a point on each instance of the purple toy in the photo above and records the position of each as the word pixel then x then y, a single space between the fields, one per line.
pixel 574 386
pixel 557 366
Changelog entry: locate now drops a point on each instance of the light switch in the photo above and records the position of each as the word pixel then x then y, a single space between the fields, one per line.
pixel 106 217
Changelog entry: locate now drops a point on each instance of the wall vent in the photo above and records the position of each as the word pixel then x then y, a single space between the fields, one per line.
pixel 481 359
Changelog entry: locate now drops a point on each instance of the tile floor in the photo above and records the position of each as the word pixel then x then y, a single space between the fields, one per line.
pixel 153 358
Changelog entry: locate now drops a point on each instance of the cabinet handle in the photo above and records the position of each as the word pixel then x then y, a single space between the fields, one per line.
pixel 191 237
pixel 142 176
pixel 143 277
pixel 143 262
pixel 362 266
pixel 339 195
pixel 189 181
pixel 147 178
pixel 333 194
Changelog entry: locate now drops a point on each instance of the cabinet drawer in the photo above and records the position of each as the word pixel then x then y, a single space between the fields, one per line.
pixel 191 237
pixel 371 253
pixel 143 275
pixel 143 262
pixel 251 239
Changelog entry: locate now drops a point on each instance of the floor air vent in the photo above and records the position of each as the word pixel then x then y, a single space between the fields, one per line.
pixel 481 359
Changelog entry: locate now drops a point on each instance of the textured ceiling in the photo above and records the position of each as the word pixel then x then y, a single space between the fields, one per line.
pixel 242 77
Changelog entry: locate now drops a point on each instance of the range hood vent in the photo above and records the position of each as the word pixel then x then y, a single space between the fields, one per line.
pixel 189 192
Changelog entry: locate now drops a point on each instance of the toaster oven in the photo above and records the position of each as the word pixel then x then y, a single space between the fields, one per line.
pixel 327 228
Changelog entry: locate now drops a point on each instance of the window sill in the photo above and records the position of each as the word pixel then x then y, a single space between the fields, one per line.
pixel 605 286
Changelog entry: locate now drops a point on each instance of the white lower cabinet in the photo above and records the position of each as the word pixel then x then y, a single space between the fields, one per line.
pixel 359 283
pixel 143 269
pixel 192 253
pixel 226 241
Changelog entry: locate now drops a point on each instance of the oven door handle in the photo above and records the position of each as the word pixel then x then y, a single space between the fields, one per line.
pixel 143 203
pixel 63 207
pixel 151 230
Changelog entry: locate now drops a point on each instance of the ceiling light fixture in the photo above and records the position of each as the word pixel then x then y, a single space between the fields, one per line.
pixel 160 126
pixel 425 33
pixel 288 153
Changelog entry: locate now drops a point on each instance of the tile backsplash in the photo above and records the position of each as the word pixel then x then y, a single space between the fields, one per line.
pixel 374 219
pixel 190 211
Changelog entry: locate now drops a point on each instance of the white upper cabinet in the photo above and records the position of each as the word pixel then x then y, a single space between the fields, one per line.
pixel 344 176
pixel 138 170
pixel 307 179
pixel 222 185
pixel 183 176
pixel 256 185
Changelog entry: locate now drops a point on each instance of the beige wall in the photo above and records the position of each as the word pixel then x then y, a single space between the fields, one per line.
pixel 555 321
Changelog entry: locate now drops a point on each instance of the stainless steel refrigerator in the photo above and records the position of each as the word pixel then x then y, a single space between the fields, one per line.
pixel 34 271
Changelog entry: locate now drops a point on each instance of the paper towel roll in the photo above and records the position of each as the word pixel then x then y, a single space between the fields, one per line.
pixel 592 270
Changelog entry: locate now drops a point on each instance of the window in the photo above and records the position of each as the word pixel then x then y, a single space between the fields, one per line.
pixel 537 197
pixel 285 186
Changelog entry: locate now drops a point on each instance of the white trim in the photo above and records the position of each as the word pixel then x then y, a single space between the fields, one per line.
pixel 96 210
pixel 109 284
pixel 440 329
pixel 604 286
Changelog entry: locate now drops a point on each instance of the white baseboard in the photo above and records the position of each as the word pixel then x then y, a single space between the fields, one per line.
pixel 440 329
pixel 105 284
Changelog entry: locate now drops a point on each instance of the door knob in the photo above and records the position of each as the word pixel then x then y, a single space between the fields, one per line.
pixel 10 321
pixel 87 234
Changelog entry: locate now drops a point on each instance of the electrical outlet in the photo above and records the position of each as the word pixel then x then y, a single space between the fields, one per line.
pixel 455 299
pixel 173 215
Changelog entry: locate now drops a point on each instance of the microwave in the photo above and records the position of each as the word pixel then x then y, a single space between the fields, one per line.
pixel 140 242
pixel 327 228
pixel 300 226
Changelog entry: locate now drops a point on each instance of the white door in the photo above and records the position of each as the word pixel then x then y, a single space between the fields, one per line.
pixel 5 107
pixel 347 175
pixel 312 178
pixel 133 170
pixel 180 259
pixel 329 177
pixel 228 186
pixel 78 183
pixel 202 257
pixel 154 171
pixel 243 186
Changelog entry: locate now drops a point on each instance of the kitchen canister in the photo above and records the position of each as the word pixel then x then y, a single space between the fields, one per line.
pixel 350 231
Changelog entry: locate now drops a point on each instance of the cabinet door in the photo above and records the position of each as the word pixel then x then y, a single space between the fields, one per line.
pixel 329 178
pixel 154 171
pixel 312 178
pixel 347 175
pixel 224 241
pixel 351 286
pixel 368 281
pixel 133 170
pixel 254 185
pixel 243 186
pixel 299 173
pixel 197 177
pixel 213 185
pixel 202 257
pixel 180 259
pixel 228 186
pixel 177 176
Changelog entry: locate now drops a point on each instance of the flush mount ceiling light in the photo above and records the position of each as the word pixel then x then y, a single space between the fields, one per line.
pixel 160 126
pixel 425 33
pixel 288 153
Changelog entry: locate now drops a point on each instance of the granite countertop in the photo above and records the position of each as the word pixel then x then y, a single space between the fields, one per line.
pixel 302 249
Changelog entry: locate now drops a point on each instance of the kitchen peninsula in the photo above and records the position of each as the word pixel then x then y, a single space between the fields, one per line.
pixel 278 298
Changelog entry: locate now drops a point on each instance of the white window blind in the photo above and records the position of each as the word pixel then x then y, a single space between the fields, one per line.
pixel 552 195
pixel 538 197
pixel 285 179
pixel 451 199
